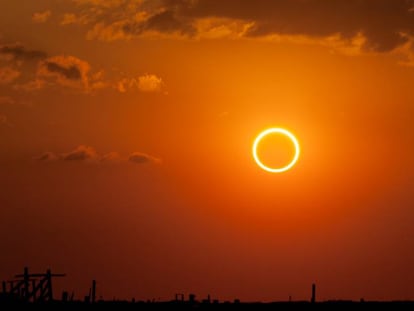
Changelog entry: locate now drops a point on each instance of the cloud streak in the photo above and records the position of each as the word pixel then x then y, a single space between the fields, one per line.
pixel 141 158
pixel 47 156
pixel 81 153
pixel 384 24
pixel 20 53
pixel 84 153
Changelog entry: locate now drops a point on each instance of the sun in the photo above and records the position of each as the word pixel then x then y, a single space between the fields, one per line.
pixel 282 131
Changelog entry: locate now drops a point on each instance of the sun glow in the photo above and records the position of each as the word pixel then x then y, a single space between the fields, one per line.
pixel 276 130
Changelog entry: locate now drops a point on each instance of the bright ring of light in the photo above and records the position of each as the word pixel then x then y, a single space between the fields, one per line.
pixel 278 131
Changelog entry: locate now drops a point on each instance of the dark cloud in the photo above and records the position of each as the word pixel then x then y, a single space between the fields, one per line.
pixel 385 24
pixel 71 72
pixel 81 153
pixel 164 22
pixel 47 156
pixel 84 153
pixel 140 158
pixel 167 21
pixel 19 52
pixel 68 71
pixel 382 22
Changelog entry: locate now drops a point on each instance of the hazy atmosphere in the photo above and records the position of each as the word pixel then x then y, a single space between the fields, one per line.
pixel 126 132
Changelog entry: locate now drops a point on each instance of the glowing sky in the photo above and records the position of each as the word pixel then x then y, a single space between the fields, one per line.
pixel 126 130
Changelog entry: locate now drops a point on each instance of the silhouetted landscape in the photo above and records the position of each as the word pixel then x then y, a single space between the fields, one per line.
pixel 35 290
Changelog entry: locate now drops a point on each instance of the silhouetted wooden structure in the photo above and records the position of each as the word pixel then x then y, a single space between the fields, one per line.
pixel 32 287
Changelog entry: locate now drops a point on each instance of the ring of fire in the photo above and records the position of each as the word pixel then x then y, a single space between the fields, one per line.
pixel 276 130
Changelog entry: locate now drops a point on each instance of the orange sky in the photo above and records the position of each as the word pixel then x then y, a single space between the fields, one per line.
pixel 125 147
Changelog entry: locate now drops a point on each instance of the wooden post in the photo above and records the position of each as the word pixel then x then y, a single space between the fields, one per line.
pixel 313 299
pixel 26 292
pixel 93 290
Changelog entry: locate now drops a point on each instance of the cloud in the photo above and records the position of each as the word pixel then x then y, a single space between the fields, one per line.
pixel 108 33
pixel 149 83
pixel 62 70
pixel 123 20
pixel 81 153
pixel 105 3
pixel 145 83
pixel 65 70
pixel 163 22
pixel 47 156
pixel 380 21
pixel 70 72
pixel 124 84
pixel 68 19
pixel 20 53
pixel 41 17
pixel 141 158
pixel 71 18
pixel 385 24
pixel 84 153
pixel 408 51
pixel 8 74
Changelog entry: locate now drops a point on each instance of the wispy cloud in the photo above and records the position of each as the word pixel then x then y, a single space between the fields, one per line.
pixel 41 17
pixel 20 53
pixel 8 74
pixel 141 158
pixel 81 153
pixel 47 156
pixel 84 153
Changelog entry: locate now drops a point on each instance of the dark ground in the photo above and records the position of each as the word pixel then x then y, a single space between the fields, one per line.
pixel 174 305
